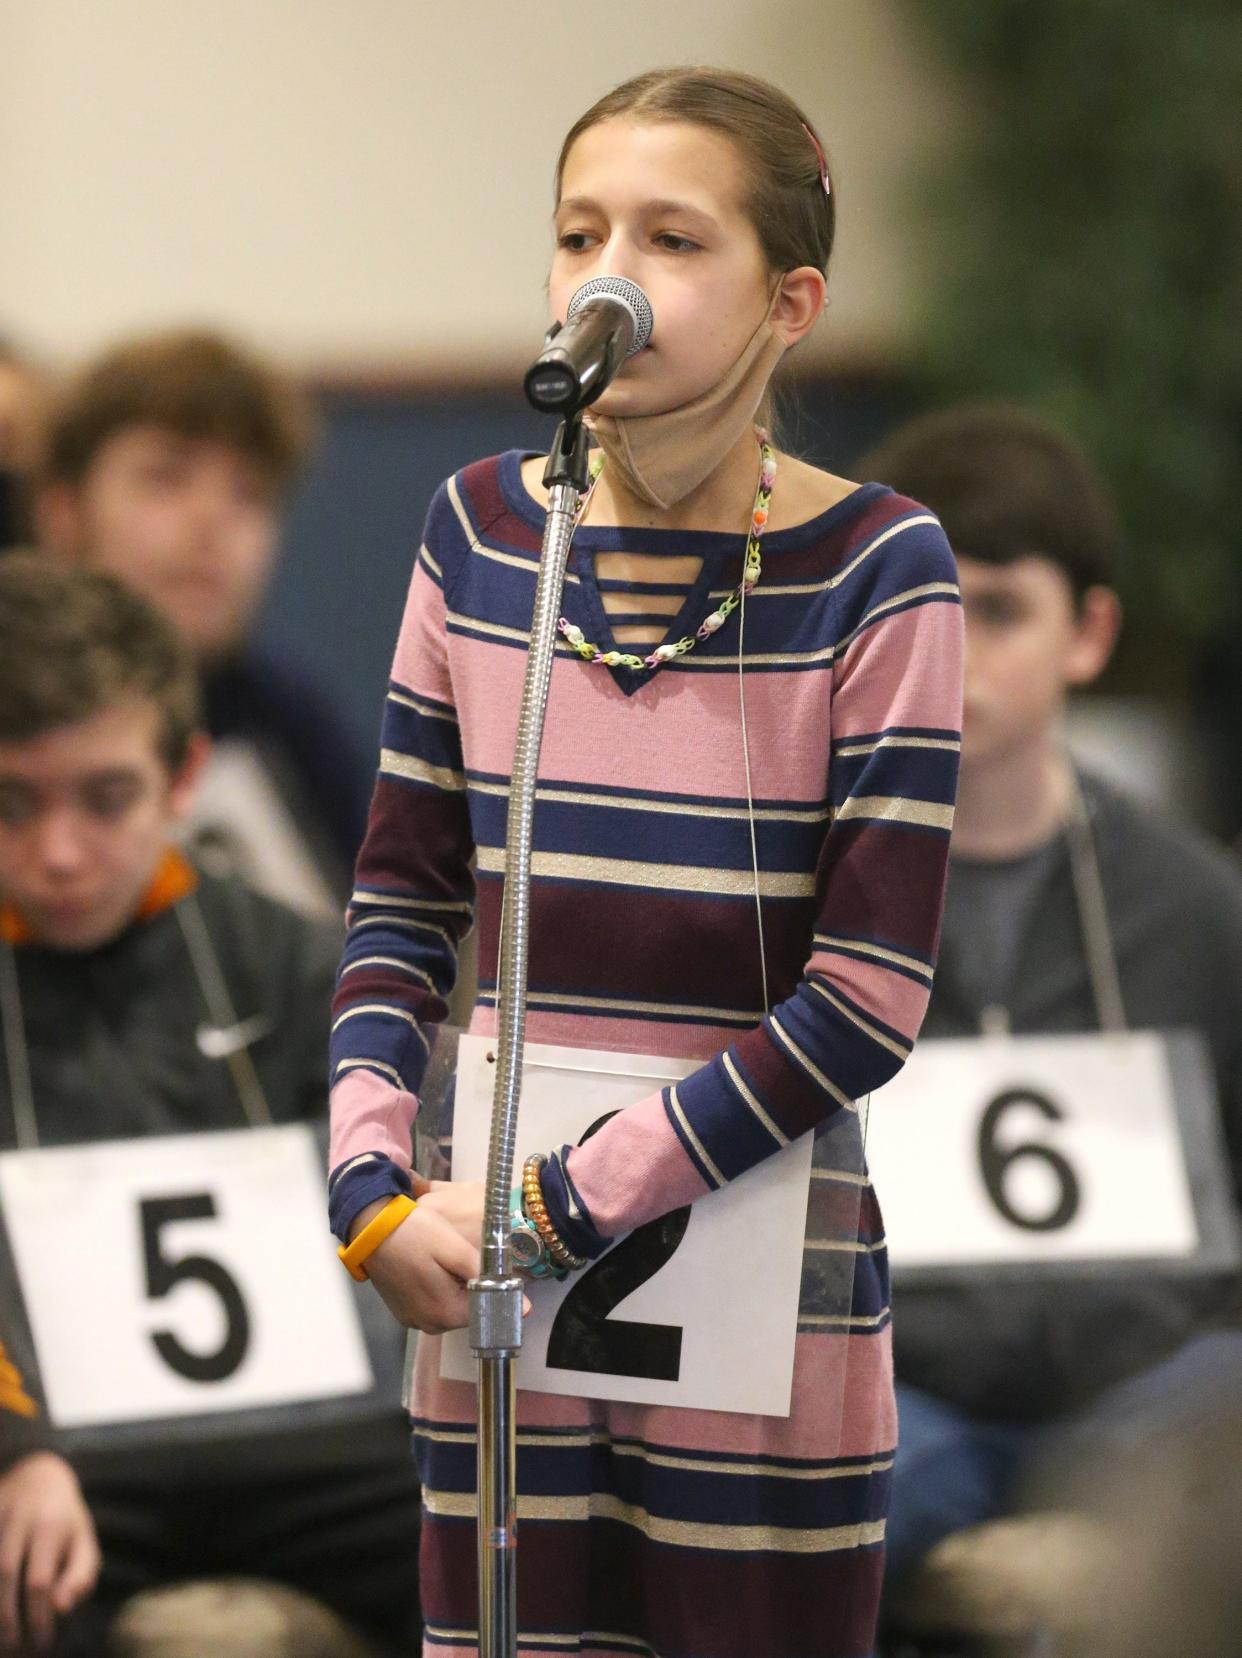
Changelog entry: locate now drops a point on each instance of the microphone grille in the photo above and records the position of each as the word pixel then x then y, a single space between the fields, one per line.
pixel 629 294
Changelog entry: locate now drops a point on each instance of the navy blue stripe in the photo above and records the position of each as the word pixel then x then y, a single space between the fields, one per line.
pixel 625 833
pixel 608 793
pixel 911 773
pixel 687 1145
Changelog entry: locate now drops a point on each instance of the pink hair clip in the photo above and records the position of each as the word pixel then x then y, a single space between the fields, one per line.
pixel 819 156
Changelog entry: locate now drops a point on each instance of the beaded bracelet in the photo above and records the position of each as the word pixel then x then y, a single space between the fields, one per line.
pixel 373 1235
pixel 537 1213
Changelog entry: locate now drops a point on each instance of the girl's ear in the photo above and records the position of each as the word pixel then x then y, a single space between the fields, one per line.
pixel 798 301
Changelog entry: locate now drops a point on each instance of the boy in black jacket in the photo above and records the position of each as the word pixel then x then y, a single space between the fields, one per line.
pixel 141 999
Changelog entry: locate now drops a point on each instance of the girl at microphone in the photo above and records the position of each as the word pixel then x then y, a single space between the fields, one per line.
pixel 690 1534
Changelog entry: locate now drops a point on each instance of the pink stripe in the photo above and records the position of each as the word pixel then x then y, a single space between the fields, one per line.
pixel 369 1114
pixel 420 663
pixel 842 1406
pixel 905 670
pixel 634 1169
pixel 682 733
pixel 634 1036
pixel 895 1000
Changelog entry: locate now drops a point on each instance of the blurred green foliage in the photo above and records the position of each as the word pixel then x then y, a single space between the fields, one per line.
pixel 1087 260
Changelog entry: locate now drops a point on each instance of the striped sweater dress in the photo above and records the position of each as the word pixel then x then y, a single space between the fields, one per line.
pixel 660 1531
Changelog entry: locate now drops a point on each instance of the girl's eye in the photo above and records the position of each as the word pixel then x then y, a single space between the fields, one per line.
pixel 677 244
pixel 573 241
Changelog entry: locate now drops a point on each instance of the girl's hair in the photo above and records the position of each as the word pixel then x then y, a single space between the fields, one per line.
pixel 788 204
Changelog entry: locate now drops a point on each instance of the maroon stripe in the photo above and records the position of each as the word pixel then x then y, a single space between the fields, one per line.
pixel 791 1098
pixel 484 500
pixel 709 1603
pixel 417 841
pixel 887 883
pixel 379 984
pixel 673 947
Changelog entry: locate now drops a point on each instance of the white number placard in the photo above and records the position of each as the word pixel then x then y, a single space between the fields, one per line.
pixel 699 1308
pixel 181 1275
pixel 996 1149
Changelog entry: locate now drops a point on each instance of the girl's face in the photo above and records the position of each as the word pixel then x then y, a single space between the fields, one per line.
pixel 662 202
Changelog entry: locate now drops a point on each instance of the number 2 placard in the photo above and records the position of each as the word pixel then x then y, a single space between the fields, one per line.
pixel 689 1310
pixel 180 1276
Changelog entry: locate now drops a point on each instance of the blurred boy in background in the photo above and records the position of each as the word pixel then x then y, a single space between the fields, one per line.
pixel 167 462
pixel 140 996
pixel 1064 897
pixel 23 409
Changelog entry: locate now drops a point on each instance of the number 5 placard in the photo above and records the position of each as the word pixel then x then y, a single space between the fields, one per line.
pixel 182 1275
pixel 699 1308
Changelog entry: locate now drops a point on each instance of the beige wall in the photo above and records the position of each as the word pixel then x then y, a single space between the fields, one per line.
pixel 365 183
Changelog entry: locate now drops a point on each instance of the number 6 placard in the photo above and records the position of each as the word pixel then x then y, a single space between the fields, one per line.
pixel 688 1310
pixel 1029 1149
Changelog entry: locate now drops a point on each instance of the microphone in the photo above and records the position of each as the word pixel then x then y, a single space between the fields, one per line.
pixel 608 320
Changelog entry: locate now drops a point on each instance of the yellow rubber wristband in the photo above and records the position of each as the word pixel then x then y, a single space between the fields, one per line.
pixel 373 1235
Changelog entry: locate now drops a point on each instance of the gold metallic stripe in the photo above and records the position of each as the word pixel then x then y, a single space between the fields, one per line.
pixel 536 1638
pixel 885 808
pixel 421 707
pixel 371 1064
pixel 693 1138
pixel 424 552
pixel 605 1004
pixel 494 629
pixel 387 1011
pixel 850 1177
pixel 809 1065
pixel 406 921
pixel 774 591
pixel 901 1050
pixel 528 565
pixel 694 1534
pixel 390 961
pixel 844 1246
pixel 739 1082
pixel 847 1321
pixel 951 744
pixel 536 1438
pixel 462 517
pixel 379 900
pixel 397 764
pixel 673 877
pixel 931 589
pixel 677 808
pixel 832 942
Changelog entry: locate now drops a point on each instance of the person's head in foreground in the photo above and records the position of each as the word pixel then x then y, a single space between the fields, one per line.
pixel 166 464
pixel 1035 535
pixel 99 750
pixel 709 190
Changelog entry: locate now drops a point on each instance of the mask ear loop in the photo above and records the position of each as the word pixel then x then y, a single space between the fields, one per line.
pixel 750 798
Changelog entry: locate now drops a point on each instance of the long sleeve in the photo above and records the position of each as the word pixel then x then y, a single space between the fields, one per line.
pixel 412 904
pixel 852 1019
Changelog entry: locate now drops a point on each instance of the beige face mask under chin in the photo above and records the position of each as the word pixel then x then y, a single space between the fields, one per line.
pixel 660 458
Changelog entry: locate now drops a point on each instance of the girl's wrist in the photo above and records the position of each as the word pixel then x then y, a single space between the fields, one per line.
pixel 364 1217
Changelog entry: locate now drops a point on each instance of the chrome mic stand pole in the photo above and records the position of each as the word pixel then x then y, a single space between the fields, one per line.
pixel 496 1295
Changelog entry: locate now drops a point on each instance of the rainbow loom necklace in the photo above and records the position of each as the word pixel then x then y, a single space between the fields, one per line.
pixel 751 571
